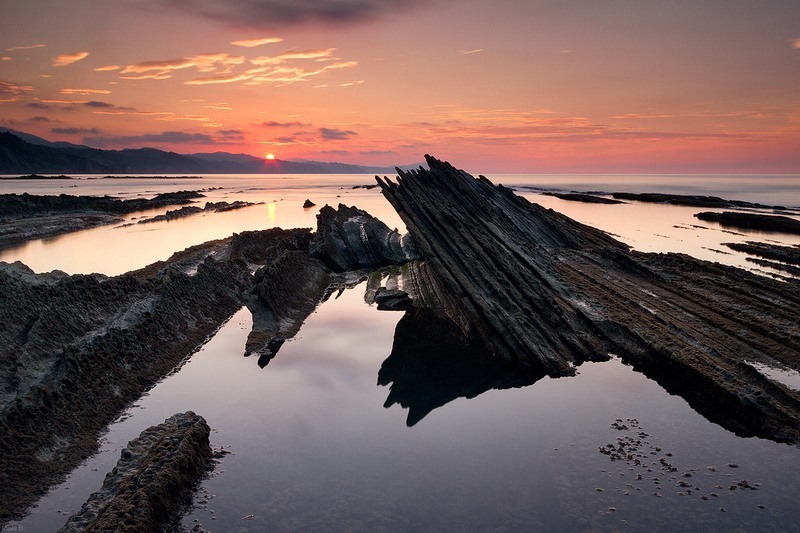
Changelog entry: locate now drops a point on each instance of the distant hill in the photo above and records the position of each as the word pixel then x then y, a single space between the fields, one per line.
pixel 22 153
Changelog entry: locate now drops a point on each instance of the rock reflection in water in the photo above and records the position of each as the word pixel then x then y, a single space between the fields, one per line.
pixel 432 363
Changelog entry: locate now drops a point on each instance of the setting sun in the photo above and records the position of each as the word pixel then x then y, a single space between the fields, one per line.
pixel 269 156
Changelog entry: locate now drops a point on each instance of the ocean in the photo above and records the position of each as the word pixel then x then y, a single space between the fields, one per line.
pixel 314 449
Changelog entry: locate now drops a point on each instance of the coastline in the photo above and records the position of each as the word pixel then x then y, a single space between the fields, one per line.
pixel 186 262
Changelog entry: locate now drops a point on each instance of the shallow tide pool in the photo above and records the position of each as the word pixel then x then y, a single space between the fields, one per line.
pixel 313 448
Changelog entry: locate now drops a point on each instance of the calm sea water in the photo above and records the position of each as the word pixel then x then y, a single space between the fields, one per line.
pixel 313 448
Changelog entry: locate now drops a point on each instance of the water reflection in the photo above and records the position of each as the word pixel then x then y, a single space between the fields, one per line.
pixel 432 363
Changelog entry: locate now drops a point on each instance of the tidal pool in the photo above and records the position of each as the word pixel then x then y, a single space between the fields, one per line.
pixel 313 449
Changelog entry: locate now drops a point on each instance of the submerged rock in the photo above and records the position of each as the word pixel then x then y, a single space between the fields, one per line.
pixel 349 238
pixel 152 481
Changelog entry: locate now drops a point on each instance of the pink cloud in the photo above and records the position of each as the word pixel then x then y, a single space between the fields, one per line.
pixel 67 59
pixel 250 43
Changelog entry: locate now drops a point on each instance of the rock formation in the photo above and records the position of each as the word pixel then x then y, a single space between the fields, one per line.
pixel 691 200
pixel 348 238
pixel 25 216
pixel 288 288
pixel 152 481
pixel 75 350
pixel 582 197
pixel 786 258
pixel 752 221
pixel 540 289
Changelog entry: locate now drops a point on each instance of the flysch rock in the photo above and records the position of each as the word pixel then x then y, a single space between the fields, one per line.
pixel 541 289
pixel 75 350
pixel 152 481
pixel 349 238
pixel 24 217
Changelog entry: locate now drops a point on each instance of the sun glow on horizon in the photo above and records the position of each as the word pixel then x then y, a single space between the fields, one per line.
pixel 269 157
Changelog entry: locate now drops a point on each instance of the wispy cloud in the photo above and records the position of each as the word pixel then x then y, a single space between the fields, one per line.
pixel 470 52
pixel 222 68
pixel 94 103
pixel 332 134
pixel 13 89
pixel 168 137
pixel 282 13
pixel 221 63
pixel 108 68
pixel 274 124
pixel 77 131
pixel 15 48
pixel 68 59
pixel 251 43
pixel 84 92
pixel 795 43
pixel 281 69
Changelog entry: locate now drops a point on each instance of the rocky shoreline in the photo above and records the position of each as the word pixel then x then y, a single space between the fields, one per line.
pixel 25 217
pixel 76 350
pixel 537 288
pixel 506 291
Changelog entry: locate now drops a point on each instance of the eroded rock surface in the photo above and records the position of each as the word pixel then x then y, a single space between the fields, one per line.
pixel 349 238
pixel 752 221
pixel 152 481
pixel 26 216
pixel 75 350
pixel 538 288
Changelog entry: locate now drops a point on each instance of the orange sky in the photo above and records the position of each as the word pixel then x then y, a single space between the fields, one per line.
pixel 502 86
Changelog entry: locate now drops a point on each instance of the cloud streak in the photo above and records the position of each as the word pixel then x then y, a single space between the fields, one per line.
pixel 167 137
pixel 8 88
pixel 221 63
pixel 283 13
pixel 251 43
pixel 84 92
pixel 67 59
pixel 15 48
pixel 332 134
pixel 76 131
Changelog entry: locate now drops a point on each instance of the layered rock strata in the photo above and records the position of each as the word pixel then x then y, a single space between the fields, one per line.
pixel 349 238
pixel 24 217
pixel 543 290
pixel 75 350
pixel 152 481
pixel 752 221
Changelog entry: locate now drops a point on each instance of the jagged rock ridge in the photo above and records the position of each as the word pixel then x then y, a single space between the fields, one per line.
pixel 539 288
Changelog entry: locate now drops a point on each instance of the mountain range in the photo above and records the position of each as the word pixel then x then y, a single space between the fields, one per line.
pixel 23 153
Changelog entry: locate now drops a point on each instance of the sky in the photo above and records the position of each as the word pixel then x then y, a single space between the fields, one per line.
pixel 517 86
